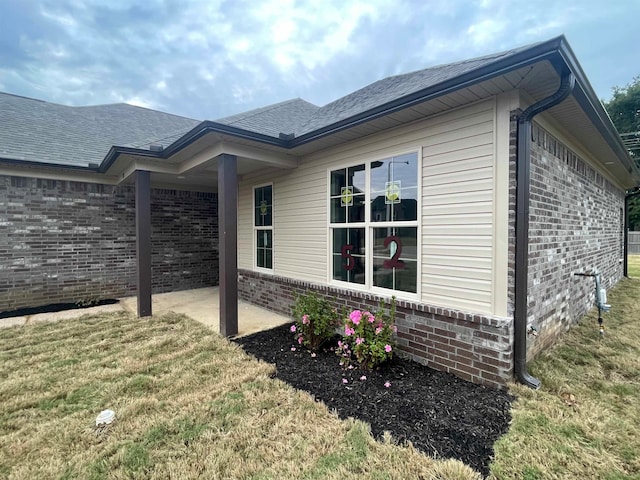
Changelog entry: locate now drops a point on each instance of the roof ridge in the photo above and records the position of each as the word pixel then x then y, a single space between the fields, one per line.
pixel 29 98
pixel 125 104
pixel 100 105
pixel 259 110
pixel 458 62
pixel 488 58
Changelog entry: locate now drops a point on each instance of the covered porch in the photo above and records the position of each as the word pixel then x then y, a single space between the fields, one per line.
pixel 202 161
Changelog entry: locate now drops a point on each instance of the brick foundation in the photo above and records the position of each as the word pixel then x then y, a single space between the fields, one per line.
pixel 474 347
pixel 65 242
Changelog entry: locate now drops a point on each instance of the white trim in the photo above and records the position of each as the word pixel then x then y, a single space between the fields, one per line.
pixel 504 104
pixel 254 230
pixel 368 227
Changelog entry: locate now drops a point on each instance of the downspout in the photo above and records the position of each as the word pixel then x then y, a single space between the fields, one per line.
pixel 628 196
pixel 523 175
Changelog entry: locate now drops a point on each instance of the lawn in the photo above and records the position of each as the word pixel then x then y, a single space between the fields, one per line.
pixel 188 404
pixel 440 414
pixel 633 266
pixel 584 421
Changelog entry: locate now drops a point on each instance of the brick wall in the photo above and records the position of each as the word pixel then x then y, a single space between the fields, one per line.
pixel 66 241
pixel 575 225
pixel 473 347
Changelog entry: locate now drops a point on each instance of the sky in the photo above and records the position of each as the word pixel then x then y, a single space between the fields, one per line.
pixel 207 59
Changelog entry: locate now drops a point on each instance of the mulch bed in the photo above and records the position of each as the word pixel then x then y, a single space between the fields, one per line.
pixel 55 307
pixel 440 414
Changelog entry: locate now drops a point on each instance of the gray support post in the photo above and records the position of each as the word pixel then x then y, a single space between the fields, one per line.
pixel 228 238
pixel 143 241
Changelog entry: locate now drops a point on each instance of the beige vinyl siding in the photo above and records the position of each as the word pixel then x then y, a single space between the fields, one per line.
pixel 458 210
pixel 299 222
pixel 245 226
pixel 457 206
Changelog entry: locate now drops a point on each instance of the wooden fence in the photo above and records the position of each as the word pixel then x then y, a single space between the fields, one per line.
pixel 634 242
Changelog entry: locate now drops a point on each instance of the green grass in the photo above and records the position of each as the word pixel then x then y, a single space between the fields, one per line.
pixel 633 266
pixel 188 404
pixel 595 435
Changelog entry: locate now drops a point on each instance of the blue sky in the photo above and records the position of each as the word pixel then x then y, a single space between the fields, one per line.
pixel 212 58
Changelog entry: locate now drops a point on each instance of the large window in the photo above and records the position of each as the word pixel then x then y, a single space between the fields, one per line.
pixel 373 223
pixel 263 225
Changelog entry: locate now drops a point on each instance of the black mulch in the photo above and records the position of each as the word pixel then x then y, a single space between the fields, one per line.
pixel 439 413
pixel 55 307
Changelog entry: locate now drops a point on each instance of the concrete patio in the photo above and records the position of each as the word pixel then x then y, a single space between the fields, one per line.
pixel 203 305
pixel 200 304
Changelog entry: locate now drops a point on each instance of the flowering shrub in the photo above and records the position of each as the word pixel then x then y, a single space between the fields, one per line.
pixel 368 337
pixel 316 321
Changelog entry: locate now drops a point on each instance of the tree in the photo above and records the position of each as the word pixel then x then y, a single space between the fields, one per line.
pixel 624 110
pixel 634 214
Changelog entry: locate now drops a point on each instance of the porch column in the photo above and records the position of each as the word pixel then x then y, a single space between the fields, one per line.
pixel 228 243
pixel 143 241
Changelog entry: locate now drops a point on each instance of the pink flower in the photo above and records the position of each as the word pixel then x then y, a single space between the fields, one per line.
pixel 395 329
pixel 359 340
pixel 350 367
pixel 355 317
pixel 387 348
pixel 305 319
pixel 293 349
pixel 344 380
pixel 313 355
pixel 348 331
pixel 293 328
pixel 378 330
pixel 387 384
pixel 339 344
pixel 363 377
pixel 300 339
pixel 371 318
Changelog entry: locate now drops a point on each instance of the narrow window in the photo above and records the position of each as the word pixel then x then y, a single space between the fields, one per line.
pixel 263 226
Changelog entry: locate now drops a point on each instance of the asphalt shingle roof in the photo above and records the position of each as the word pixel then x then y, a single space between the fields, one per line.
pixel 40 131
pixel 300 117
pixel 284 117
pixel 393 88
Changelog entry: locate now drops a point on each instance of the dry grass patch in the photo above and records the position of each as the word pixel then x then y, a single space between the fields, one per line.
pixel 584 421
pixel 188 403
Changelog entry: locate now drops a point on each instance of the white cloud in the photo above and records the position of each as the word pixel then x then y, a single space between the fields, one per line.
pixel 486 31
pixel 65 20
pixel 210 58
pixel 138 102
pixel 309 34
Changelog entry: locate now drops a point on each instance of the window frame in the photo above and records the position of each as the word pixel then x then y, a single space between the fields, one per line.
pixel 257 228
pixel 369 225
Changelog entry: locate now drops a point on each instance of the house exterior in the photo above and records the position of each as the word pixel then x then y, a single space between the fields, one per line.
pixel 471 192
